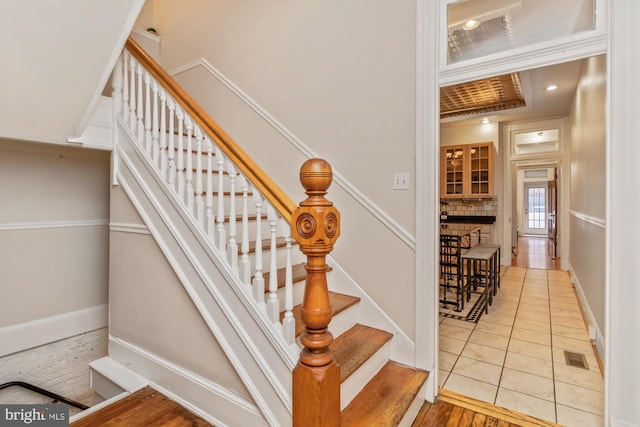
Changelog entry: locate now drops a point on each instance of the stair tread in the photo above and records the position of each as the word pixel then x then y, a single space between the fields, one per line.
pixel 298 274
pixel 353 348
pixel 386 398
pixel 266 244
pixel 250 217
pixel 142 408
pixel 339 303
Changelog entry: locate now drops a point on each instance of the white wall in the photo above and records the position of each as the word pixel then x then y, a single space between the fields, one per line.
pixel 53 241
pixel 149 307
pixel 339 80
pixel 587 204
pixel 623 234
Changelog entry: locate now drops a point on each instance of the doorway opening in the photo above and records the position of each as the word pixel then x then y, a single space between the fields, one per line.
pixel 535 208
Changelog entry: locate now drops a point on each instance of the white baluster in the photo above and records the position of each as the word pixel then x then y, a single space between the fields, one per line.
pixel 189 154
pixel 199 189
pixel 116 95
pixel 180 172
pixel 273 305
pixel 125 87
pixel 258 279
pixel 221 237
pixel 245 261
pixel 163 135
pixel 232 245
pixel 155 128
pixel 210 218
pixel 147 114
pixel 140 108
pixel 172 146
pixel 288 322
pixel 133 117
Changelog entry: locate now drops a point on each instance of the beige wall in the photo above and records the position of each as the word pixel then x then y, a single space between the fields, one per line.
pixel 53 230
pixel 468 133
pixel 340 77
pixel 588 186
pixel 149 307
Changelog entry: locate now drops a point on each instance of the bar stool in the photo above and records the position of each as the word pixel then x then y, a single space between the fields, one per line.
pixel 496 264
pixel 451 271
pixel 478 264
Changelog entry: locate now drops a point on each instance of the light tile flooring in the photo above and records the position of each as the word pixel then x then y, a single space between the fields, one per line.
pixel 514 356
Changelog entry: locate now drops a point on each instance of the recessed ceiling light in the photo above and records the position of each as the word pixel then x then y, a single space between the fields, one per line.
pixel 471 24
pixel 552 87
pixel 485 120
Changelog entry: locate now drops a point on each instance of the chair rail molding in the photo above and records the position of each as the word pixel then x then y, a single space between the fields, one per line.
pixel 43 225
pixel 43 331
pixel 598 222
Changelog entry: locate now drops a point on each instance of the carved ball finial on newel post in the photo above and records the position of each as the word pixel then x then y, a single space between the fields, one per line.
pixel 315 225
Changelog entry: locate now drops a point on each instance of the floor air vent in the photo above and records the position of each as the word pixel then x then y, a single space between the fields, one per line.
pixel 575 359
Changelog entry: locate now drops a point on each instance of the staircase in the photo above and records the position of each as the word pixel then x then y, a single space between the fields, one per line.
pixel 229 228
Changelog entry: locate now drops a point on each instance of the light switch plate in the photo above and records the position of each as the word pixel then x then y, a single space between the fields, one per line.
pixel 401 181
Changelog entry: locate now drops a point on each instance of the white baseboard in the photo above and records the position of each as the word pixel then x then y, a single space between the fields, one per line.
pixel 590 318
pixel 97 407
pixel 197 394
pixel 39 332
pixel 617 423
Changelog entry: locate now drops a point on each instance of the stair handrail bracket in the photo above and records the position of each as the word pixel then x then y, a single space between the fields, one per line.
pixel 315 225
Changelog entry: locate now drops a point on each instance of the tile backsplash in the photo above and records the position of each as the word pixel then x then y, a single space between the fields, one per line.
pixel 478 207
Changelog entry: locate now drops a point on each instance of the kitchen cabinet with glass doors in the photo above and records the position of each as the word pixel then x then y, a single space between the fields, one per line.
pixel 466 171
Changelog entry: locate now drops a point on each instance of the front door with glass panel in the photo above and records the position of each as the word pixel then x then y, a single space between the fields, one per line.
pixel 535 208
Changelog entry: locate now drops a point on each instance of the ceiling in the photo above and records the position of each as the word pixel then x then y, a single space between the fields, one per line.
pixel 499 25
pixel 56 59
pixel 482 96
pixel 539 103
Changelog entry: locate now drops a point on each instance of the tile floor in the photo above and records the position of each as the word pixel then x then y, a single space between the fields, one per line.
pixel 514 356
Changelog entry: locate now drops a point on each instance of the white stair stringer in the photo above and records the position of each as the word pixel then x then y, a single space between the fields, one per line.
pixel 254 346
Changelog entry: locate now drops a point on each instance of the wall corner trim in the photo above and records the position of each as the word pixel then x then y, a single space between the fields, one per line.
pixel 23 336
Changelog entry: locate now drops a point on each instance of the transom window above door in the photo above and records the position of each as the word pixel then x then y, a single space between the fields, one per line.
pixel 477 28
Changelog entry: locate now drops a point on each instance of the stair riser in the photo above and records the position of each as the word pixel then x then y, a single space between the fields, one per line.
pixel 298 294
pixel 410 416
pixel 344 321
pixel 281 257
pixel 238 203
pixel 356 381
pixel 252 230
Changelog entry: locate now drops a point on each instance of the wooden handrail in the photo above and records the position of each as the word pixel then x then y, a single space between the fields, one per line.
pixel 316 378
pixel 278 198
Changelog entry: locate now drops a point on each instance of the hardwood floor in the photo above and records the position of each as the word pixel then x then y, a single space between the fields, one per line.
pixel 146 407
pixel 533 252
pixel 453 409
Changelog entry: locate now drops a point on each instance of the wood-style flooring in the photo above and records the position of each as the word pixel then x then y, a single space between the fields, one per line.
pixel 455 410
pixel 144 408
pixel 533 252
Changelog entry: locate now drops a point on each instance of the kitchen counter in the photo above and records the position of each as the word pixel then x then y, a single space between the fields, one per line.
pixel 469 219
pixel 456 229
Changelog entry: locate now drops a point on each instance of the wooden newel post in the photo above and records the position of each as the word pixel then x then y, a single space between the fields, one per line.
pixel 315 225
